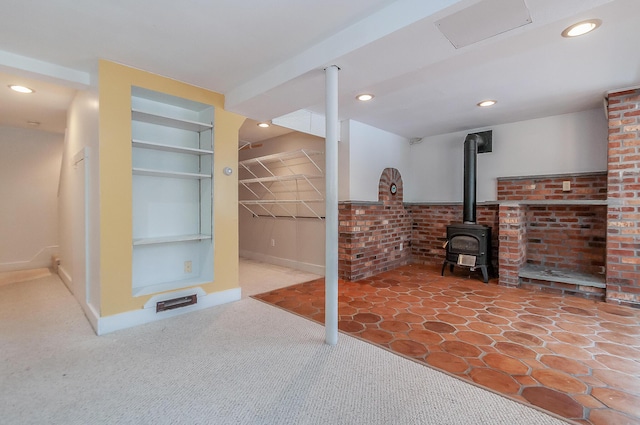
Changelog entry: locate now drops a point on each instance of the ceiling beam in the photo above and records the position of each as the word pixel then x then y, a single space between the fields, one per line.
pixel 380 24
pixel 45 71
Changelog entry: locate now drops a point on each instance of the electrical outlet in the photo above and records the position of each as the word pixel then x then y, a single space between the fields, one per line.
pixel 566 186
pixel 187 267
pixel 401 246
pixel 273 242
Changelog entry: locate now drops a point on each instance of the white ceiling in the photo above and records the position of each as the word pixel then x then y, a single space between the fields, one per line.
pixel 268 57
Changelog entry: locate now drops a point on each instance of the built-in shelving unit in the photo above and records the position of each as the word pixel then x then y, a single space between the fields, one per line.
pixel 172 169
pixel 286 184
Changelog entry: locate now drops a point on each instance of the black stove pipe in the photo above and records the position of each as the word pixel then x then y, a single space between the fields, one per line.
pixel 471 143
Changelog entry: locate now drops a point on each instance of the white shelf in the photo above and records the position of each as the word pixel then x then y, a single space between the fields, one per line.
pixel 281 201
pixel 167 121
pixel 280 157
pixel 281 168
pixel 290 177
pixel 168 148
pixel 170 174
pixel 170 239
pixel 263 203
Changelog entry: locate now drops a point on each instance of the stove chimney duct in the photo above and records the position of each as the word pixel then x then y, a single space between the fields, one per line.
pixel 473 143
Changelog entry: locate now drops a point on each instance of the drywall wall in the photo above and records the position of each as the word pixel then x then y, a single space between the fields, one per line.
pixel 78 202
pixel 297 243
pixel 569 143
pixel 365 152
pixel 29 170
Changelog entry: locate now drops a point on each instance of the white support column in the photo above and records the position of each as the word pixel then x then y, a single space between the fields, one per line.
pixel 331 177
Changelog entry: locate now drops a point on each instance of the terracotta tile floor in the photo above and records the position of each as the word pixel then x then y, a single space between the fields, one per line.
pixel 576 358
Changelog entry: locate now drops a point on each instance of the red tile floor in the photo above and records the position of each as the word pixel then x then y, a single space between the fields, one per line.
pixel 576 358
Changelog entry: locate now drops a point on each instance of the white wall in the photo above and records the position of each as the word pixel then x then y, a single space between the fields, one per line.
pixel 368 151
pixel 78 202
pixel 29 171
pixel 569 143
pixel 299 243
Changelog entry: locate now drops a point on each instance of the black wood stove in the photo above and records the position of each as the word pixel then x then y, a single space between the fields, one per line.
pixel 468 243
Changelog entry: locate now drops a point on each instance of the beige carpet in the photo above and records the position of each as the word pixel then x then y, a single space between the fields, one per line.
pixel 240 363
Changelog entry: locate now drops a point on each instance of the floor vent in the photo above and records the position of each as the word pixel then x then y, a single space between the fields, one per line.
pixel 176 303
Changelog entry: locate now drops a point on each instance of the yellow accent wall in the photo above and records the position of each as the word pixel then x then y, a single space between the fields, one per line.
pixel 115 247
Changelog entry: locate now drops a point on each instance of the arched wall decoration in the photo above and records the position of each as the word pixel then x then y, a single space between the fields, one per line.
pixel 390 188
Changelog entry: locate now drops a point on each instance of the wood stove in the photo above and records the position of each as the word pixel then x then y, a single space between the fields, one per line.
pixel 468 243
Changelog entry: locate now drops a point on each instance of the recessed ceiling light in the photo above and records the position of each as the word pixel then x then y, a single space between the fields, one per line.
pixel 581 28
pixel 488 102
pixel 21 89
pixel 364 97
pixel 263 124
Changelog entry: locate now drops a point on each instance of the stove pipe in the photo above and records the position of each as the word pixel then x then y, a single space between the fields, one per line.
pixel 471 144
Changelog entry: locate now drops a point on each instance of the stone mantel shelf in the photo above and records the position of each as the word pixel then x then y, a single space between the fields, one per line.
pixel 450 203
pixel 543 202
pixel 552 176
pixel 515 203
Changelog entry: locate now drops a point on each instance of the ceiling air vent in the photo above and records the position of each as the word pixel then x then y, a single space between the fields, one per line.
pixel 483 20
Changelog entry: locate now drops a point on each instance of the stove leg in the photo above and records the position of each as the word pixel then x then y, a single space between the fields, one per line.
pixel 443 266
pixel 485 275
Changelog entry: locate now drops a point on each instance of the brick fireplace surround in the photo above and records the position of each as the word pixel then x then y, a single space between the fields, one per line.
pixel 544 238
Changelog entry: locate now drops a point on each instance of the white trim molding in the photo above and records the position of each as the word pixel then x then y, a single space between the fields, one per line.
pixel 108 324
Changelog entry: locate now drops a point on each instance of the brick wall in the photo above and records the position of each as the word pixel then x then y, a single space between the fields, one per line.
pixel 623 215
pixel 590 186
pixel 374 237
pixel 429 229
pixel 569 237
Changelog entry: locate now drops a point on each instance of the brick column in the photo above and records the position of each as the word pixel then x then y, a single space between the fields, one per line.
pixel 623 215
pixel 513 248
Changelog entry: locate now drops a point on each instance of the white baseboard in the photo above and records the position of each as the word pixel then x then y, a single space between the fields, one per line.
pixel 284 262
pixel 42 259
pixel 65 277
pixel 104 325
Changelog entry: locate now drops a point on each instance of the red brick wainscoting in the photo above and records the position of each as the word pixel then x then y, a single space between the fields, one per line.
pixel 623 216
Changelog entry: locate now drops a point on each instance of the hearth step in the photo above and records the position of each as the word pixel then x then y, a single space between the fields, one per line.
pixel 562 276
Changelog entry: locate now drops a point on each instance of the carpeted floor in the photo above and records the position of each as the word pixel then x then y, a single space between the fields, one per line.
pixel 577 358
pixel 239 363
